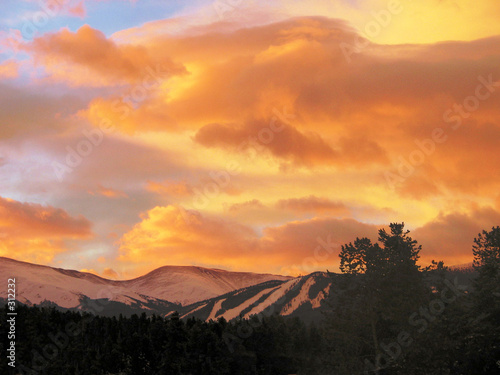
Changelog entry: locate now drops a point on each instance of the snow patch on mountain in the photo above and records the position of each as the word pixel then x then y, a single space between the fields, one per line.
pixel 235 312
pixel 304 297
pixel 194 310
pixel 215 309
pixel 273 298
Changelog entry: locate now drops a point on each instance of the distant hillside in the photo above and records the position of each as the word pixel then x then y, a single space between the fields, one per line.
pixel 302 297
pixel 161 290
pixel 204 293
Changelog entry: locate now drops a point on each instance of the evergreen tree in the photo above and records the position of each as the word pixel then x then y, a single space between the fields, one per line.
pixel 381 287
pixel 482 350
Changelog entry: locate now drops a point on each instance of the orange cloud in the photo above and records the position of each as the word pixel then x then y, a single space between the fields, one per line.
pixel 249 205
pixel 35 233
pixel 172 235
pixel 71 7
pixel 87 57
pixel 239 74
pixel 110 273
pixel 419 188
pixel 48 113
pixel 199 193
pixel 295 244
pixel 313 204
pixel 358 150
pixel 9 69
pixel 357 115
pixel 172 188
pixel 289 144
pixel 450 237
pixel 107 192
pixel 444 19
pixel 78 10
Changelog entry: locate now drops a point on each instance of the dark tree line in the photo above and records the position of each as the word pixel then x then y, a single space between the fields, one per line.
pixel 50 341
pixel 393 317
pixel 387 315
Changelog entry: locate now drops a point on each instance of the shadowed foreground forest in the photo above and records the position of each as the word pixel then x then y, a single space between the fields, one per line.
pixel 386 315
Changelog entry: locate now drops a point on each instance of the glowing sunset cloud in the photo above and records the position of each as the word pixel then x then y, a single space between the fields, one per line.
pixel 245 136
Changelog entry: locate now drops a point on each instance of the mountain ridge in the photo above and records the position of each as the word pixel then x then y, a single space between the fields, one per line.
pixel 176 284
pixel 192 291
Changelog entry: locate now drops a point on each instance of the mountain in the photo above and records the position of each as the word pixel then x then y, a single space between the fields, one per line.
pixel 186 285
pixel 198 292
pixel 69 289
pixel 161 290
pixel 303 297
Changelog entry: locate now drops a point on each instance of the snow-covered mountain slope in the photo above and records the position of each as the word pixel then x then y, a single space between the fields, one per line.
pixel 66 288
pixel 304 297
pixel 186 285
pixel 166 285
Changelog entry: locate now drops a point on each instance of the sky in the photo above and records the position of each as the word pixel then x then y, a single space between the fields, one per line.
pixel 242 134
